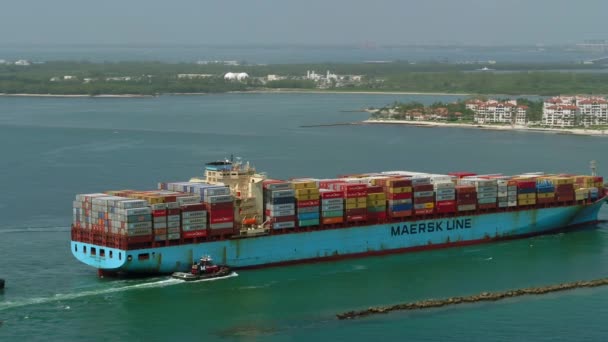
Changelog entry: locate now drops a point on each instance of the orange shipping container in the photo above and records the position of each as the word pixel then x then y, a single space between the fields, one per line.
pixel 333 220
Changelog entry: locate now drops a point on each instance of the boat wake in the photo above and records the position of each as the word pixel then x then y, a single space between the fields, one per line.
pixel 40 229
pixel 66 297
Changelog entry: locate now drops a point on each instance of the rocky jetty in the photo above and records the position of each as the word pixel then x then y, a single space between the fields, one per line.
pixel 482 297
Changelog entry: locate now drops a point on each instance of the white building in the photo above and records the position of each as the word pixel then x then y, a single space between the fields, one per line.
pixel 193 76
pixel 569 111
pixel 231 76
pixel 23 62
pixel 493 111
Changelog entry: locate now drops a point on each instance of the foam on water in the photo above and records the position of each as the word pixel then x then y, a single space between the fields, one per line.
pixel 71 296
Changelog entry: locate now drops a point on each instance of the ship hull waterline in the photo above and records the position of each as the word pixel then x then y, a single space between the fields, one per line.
pixel 334 244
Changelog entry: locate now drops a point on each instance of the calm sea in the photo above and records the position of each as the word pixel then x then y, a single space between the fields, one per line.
pixel 53 148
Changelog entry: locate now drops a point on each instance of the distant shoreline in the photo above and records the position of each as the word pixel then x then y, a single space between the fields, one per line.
pixel 265 91
pixel 77 95
pixel 573 131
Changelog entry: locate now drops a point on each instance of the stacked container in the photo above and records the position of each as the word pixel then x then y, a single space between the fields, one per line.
pixel 583 194
pixel 376 203
pixel 159 221
pixel 545 191
pixel 399 196
pixel 220 208
pixel 564 189
pixel 445 195
pixel 511 193
pixel 502 197
pixel 487 191
pixel 279 205
pixel 355 201
pixel 307 202
pixel 193 220
pixel 526 192
pixel 424 195
pixel 133 218
pixel 466 197
pixel 174 227
pixel 332 206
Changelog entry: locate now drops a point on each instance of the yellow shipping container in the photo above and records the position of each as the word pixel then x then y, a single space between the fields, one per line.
pixel 302 197
pixel 376 203
pixel 350 201
pixel 351 206
pixel 562 180
pixel 547 195
pixel 302 192
pixel 304 184
pixel 376 197
pixel 400 190
pixel 580 197
pixel 361 205
pixel 361 200
pixel 526 196
pixel 313 192
pixel 429 205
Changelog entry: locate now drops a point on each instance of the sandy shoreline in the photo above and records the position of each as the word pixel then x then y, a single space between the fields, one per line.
pixel 77 95
pixel 574 131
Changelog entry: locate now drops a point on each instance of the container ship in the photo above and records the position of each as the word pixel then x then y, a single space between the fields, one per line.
pixel 244 219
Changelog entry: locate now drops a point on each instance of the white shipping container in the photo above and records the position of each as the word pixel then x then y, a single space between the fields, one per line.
pixel 466 207
pixel 159 225
pixel 278 186
pixel 420 206
pixel 188 200
pixel 219 191
pixel 446 197
pixel 442 192
pixel 158 206
pixel 139 225
pixel 512 193
pixel 198 220
pixel 503 194
pixel 278 207
pixel 481 195
pixel 172 205
pixel 283 225
pixel 305 210
pixel 193 227
pixel 131 204
pixel 486 200
pixel 219 199
pixel 424 194
pixel 449 185
pixel 171 230
pixel 512 203
pixel 225 225
pixel 333 207
pixel 173 236
pixel 194 214
pixel 282 193
pixel 174 224
pixel 331 201
pixel 139 231
pixel 280 213
pixel 173 218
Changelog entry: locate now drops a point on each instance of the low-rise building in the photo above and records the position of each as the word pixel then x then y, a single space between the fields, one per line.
pixel 493 111
pixel 570 111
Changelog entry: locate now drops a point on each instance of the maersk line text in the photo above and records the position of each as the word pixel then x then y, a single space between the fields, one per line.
pixel 430 227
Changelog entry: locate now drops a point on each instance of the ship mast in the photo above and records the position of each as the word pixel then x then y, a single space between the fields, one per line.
pixel 593 166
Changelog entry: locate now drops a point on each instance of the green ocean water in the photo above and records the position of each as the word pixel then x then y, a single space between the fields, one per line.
pixel 53 148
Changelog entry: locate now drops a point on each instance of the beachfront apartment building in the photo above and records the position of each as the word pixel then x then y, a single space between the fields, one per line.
pixel 570 111
pixel 493 111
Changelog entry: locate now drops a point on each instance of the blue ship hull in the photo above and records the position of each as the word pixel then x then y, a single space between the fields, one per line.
pixel 331 244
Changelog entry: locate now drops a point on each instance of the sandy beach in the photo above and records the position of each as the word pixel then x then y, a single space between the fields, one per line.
pixel 77 95
pixel 575 131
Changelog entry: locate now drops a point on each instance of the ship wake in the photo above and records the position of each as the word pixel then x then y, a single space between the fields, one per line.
pixel 99 292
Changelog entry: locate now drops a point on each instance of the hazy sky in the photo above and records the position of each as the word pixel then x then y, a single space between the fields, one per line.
pixel 234 22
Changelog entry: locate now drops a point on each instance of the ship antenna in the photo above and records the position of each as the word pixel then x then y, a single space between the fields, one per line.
pixel 593 166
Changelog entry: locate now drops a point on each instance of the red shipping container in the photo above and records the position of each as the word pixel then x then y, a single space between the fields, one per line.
pixel 173 211
pixel 427 199
pixel 140 239
pixel 440 204
pixel 375 190
pixel 466 196
pixel 221 219
pixel 354 218
pixel 403 195
pixel 351 187
pixel 159 213
pixel 545 200
pixel 267 182
pixel 527 184
pixel 423 211
pixel 353 194
pixel 461 174
pixel 446 209
pixel 220 206
pixel 332 194
pixel 193 207
pixel 278 219
pixel 424 187
pixel 376 216
pixel 487 206
pixel 330 184
pixel 194 233
pixel 309 203
pixel 398 182
pixel 562 198
pixel 359 211
pixel 462 189
pixel 170 198
pixel 466 201
pixel 395 214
